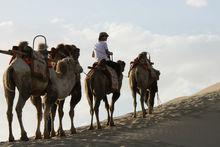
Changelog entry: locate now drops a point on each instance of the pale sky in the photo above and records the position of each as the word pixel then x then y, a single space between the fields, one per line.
pixel 183 37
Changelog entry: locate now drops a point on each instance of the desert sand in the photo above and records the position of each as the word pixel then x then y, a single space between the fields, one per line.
pixel 191 121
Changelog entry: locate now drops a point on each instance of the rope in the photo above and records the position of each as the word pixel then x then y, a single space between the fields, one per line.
pixel 85 73
pixel 125 76
pixel 158 99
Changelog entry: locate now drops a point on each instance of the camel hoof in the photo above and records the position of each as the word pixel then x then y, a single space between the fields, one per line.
pixel 112 125
pixel 150 111
pixel 11 139
pixel 46 136
pixel 134 115
pixel 38 136
pixel 61 133
pixel 53 133
pixel 91 128
pixel 24 138
pixel 73 131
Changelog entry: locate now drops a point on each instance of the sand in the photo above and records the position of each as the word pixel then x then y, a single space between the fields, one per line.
pixel 186 121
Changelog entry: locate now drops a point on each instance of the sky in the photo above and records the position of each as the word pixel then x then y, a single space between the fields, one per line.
pixel 182 36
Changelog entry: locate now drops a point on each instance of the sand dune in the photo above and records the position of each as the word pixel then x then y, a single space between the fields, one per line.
pixel 212 88
pixel 186 121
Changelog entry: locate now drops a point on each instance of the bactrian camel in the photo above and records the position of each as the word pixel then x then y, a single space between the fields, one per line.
pixel 97 86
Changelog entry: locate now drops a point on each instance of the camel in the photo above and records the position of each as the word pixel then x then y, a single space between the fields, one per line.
pixel 142 82
pixel 58 85
pixel 62 82
pixel 19 75
pixel 66 50
pixel 97 86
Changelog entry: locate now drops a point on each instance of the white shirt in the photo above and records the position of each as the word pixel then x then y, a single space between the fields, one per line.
pixel 100 50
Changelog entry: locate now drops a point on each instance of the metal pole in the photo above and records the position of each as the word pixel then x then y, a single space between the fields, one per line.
pixel 39 36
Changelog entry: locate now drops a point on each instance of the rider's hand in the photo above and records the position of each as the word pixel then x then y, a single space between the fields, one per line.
pixel 110 53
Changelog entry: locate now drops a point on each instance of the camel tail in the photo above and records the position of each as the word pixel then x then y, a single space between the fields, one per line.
pixel 8 80
pixel 88 91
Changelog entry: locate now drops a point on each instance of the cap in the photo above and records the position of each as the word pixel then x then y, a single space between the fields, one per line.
pixel 42 46
pixel 103 34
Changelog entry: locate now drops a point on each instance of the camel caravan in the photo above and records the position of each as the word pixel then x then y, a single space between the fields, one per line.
pixel 47 77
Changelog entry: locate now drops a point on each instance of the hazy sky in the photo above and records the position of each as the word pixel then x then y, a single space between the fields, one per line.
pixel 183 37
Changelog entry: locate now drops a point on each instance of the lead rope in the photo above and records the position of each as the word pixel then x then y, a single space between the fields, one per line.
pixel 85 73
pixel 158 99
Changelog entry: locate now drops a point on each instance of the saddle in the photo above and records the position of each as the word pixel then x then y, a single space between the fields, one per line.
pixel 147 65
pixel 108 71
pixel 39 66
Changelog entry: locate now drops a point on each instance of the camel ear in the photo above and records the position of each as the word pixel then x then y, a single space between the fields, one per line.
pixel 123 65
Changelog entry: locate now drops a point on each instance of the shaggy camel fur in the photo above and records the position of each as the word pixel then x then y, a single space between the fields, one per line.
pixel 57 54
pixel 144 84
pixel 97 86
pixel 62 83
pixel 73 51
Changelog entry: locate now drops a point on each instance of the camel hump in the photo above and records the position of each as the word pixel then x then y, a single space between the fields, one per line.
pixel 39 66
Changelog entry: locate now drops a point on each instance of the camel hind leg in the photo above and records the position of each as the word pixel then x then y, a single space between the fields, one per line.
pixel 89 96
pixel 9 95
pixel 96 109
pixel 37 102
pixel 134 95
pixel 107 109
pixel 9 89
pixel 142 98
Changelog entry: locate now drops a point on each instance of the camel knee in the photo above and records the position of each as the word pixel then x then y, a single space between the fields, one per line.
pixel 18 111
pixel 107 106
pixel 96 108
pixel 71 112
pixel 91 111
pixel 135 104
pixel 39 115
pixel 9 115
pixel 112 108
pixel 61 113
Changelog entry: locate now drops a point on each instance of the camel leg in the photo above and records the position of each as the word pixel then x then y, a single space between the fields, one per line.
pixel 51 120
pixel 46 119
pixel 92 114
pixel 90 101
pixel 75 98
pixel 60 112
pixel 134 102
pixel 21 102
pixel 151 102
pixel 38 105
pixel 50 99
pixel 96 108
pixel 107 109
pixel 142 98
pixel 115 97
pixel 10 99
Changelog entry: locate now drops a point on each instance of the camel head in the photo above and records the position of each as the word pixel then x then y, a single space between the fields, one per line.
pixel 68 66
pixel 122 65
